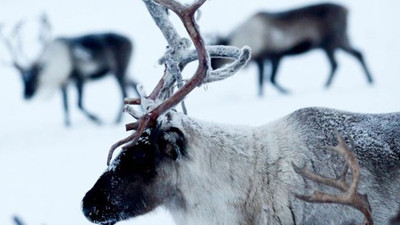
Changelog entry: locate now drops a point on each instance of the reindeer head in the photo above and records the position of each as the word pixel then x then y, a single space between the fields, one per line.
pixel 30 79
pixel 139 179
pixel 143 175
pixel 30 73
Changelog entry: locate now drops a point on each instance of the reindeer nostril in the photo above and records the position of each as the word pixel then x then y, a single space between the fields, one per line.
pixel 90 205
pixel 97 208
pixel 88 212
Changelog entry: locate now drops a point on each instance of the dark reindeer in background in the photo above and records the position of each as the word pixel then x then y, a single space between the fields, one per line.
pixel 72 59
pixel 207 173
pixel 273 36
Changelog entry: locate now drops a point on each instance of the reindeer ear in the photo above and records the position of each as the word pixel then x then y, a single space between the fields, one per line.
pixel 172 143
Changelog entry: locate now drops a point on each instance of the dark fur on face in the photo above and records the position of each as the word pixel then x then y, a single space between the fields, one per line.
pixel 136 182
pixel 30 79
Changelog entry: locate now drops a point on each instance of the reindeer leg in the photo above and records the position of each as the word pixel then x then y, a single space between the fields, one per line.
pixel 65 105
pixel 79 86
pixel 261 74
pixel 331 57
pixel 275 65
pixel 122 86
pixel 17 220
pixel 357 54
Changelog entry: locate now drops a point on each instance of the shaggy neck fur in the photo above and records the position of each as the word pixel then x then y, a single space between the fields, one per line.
pixel 230 183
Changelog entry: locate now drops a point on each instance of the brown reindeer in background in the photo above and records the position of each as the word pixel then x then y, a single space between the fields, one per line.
pixel 273 36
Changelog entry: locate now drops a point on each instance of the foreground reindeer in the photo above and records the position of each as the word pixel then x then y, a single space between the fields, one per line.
pixel 75 59
pixel 272 36
pixel 206 173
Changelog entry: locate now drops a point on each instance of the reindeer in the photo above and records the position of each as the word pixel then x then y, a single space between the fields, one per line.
pixel 273 36
pixel 207 173
pixel 73 59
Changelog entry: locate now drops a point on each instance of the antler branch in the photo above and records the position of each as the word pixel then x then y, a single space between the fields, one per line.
pixel 14 43
pixel 45 29
pixel 44 35
pixel 350 196
pixel 162 98
pixel 9 45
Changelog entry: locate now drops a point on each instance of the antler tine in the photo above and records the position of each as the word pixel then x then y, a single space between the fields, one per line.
pixel 9 46
pixel 45 28
pixel 132 101
pixel 225 72
pixel 4 38
pixel 181 9
pixel 44 34
pixel 350 196
pixel 135 114
pixel 16 35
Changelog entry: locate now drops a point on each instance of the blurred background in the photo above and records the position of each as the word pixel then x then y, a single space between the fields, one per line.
pixel 46 168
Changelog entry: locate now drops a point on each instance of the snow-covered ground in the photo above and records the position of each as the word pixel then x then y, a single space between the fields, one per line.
pixel 46 168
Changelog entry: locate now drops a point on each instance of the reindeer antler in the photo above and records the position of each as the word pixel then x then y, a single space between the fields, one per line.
pixel 45 35
pixel 14 43
pixel 350 196
pixel 14 51
pixel 45 29
pixel 177 56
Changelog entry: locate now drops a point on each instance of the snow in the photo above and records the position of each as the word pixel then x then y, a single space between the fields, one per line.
pixel 47 168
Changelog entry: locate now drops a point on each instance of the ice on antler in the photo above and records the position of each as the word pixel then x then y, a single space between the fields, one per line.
pixel 177 56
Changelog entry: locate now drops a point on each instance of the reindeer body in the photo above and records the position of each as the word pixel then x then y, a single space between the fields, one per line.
pixel 243 175
pixel 272 36
pixel 77 60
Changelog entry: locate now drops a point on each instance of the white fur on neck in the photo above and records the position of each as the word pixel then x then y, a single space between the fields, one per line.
pixel 56 68
pixel 221 184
